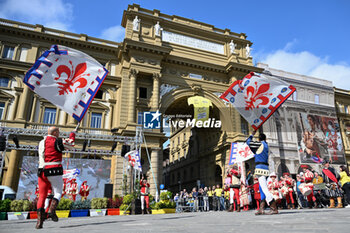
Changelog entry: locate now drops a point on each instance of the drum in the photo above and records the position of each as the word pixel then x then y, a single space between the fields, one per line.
pixel 305 190
pixel 284 191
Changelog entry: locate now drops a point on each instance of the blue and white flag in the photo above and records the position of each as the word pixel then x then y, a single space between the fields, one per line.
pixel 239 152
pixel 66 77
pixel 133 157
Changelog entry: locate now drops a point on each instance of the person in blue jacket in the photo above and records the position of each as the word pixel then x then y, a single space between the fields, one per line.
pixel 262 172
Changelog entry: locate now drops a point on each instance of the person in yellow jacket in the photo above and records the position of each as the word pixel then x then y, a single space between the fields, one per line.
pixel 210 196
pixel 345 181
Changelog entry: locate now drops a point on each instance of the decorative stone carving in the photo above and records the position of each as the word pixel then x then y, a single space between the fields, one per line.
pixel 247 50
pixel 232 47
pixel 166 88
pixel 156 76
pixel 133 72
pixel 140 59
pixel 157 29
pixel 136 24
pixel 196 88
pixel 152 62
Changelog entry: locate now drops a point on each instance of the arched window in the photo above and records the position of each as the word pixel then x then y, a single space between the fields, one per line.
pixel 4 81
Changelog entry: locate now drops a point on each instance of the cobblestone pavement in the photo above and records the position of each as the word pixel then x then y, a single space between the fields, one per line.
pixel 315 220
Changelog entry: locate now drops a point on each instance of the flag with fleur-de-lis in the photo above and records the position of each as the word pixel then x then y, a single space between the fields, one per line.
pixel 66 77
pixel 257 97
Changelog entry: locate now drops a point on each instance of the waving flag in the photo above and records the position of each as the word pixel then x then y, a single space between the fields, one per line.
pixel 134 159
pixel 71 174
pixel 256 98
pixel 67 78
pixel 240 152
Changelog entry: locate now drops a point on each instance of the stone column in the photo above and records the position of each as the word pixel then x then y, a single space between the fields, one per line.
pixel 155 92
pixel 132 95
pixel 14 108
pixel 23 104
pixel 12 169
pixel 35 101
pixel 71 121
pixel 155 161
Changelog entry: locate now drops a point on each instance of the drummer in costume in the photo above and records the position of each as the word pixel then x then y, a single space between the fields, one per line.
pixel 262 171
pixel 308 186
pixel 289 184
pixel 273 186
pixel 331 178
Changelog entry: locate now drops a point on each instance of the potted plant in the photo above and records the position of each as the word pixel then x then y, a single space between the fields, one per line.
pixel 113 205
pixel 98 206
pixel 80 208
pixel 126 206
pixel 33 214
pixel 5 206
pixel 19 209
pixel 165 205
pixel 63 208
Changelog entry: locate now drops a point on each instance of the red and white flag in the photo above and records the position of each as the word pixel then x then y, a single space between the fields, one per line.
pixel 256 98
pixel 68 78
pixel 133 157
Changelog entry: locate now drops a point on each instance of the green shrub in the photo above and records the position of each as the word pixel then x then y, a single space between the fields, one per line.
pixel 123 207
pixel 164 196
pixel 5 205
pixel 27 205
pixel 64 204
pixel 164 205
pixel 99 203
pixel 79 205
pixel 128 199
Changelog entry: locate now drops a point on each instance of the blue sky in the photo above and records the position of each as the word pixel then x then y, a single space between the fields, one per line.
pixel 309 37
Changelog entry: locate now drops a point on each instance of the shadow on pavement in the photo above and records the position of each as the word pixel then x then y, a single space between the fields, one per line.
pixel 96 223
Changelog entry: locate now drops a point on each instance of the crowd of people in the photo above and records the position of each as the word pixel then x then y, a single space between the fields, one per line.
pixel 310 189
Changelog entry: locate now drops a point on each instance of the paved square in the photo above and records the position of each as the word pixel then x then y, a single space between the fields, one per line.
pixel 316 220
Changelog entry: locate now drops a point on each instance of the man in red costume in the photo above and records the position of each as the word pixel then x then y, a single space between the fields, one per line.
pixel 289 183
pixel 235 175
pixel 50 172
pixel 84 191
pixel 308 177
pixel 144 194
pixel 257 196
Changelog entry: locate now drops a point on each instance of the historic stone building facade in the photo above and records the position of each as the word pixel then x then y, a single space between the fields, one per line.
pixel 342 102
pixel 284 131
pixel 162 61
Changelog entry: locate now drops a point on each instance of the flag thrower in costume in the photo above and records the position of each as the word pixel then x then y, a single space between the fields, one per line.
pixel 256 98
pixel 134 160
pixel 67 78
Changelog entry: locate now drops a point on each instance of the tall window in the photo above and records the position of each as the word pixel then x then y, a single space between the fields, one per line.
pixel 2 109
pixel 244 126
pixel 8 52
pixel 4 82
pixel 143 92
pixel 23 56
pixel 96 119
pixel 295 96
pixel 317 99
pixel 49 116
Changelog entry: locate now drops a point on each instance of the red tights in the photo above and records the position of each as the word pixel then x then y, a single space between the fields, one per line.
pixel 44 186
pixel 289 197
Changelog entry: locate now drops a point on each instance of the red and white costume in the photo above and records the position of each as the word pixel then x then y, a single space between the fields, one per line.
pixel 308 177
pixel 273 186
pixel 50 167
pixel 244 199
pixel 73 190
pixel 256 189
pixel 84 190
pixel 289 184
pixel 144 194
pixel 235 175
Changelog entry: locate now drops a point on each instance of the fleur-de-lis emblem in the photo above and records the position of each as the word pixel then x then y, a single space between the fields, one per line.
pixel 257 96
pixel 244 152
pixel 74 75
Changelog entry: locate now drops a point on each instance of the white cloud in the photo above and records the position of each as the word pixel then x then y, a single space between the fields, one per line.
pixel 115 33
pixel 53 13
pixel 306 63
